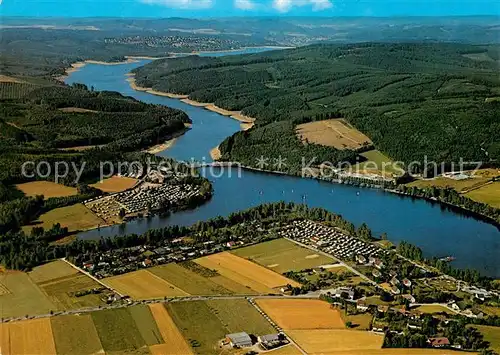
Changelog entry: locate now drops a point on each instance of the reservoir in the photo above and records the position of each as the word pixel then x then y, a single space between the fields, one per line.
pixel 436 229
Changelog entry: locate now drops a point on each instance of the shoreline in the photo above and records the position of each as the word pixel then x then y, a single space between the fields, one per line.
pixel 158 148
pixel 246 122
pixel 78 65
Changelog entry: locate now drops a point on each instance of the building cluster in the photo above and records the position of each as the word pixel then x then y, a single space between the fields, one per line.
pixel 144 198
pixel 328 239
pixel 194 43
pixel 265 342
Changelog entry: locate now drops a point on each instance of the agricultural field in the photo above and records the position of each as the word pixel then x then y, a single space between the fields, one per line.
pixel 115 184
pixel 50 271
pixel 324 341
pixel 245 272
pixel 489 194
pixel 444 182
pixel 376 163
pixel 76 218
pixel 170 335
pixel 143 284
pixel 24 297
pixel 281 255
pixel 360 321
pixel 204 324
pixel 335 133
pixel 302 313
pixel 46 188
pixel 27 337
pixel 189 281
pixel 75 334
pixel 492 335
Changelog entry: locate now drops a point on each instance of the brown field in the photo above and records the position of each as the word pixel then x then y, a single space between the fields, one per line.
pixel 116 184
pixel 325 341
pixel 143 285
pixel 75 218
pixel 333 133
pixel 245 272
pixel 302 314
pixel 27 337
pixel 75 334
pixel 394 351
pixel 46 188
pixel 286 350
pixel 51 271
pixel 9 79
pixel 169 332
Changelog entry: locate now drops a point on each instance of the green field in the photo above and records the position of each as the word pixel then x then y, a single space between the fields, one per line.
pixel 204 324
pixel 23 297
pixel 239 314
pixel 489 194
pixel 188 281
pixel 491 334
pixel 51 271
pixel 434 309
pixel 201 329
pixel 146 324
pixel 62 291
pixel 382 163
pixel 75 334
pixel 281 255
pixel 118 330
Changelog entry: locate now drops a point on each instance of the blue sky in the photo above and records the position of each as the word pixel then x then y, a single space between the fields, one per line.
pixel 223 8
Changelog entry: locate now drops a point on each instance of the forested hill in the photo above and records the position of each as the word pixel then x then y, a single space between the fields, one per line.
pixel 411 99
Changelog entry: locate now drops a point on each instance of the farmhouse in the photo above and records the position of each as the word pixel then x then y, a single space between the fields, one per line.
pixel 439 342
pixel 362 306
pixel 270 341
pixel 344 292
pixel 239 340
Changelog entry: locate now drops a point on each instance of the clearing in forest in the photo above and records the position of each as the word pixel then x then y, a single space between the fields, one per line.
pixel 302 313
pixel 143 284
pixel 282 255
pixel 46 188
pixel 335 133
pixel 245 272
pixel 115 184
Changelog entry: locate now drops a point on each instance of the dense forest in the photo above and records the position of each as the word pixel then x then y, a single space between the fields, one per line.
pixel 415 101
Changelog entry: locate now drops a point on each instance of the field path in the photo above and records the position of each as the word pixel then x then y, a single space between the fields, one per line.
pixel 92 277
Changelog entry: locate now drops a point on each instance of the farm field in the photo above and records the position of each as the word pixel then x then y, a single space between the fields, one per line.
pixel 75 334
pixel 76 218
pixel 27 337
pixel 51 271
pixel 188 281
pixel 143 284
pixel 245 272
pixel 444 182
pixel 333 133
pixel 324 341
pixel 168 331
pixel 302 313
pixel 115 184
pixel 117 330
pixel 204 324
pixel 23 296
pixel 489 194
pixel 359 321
pixel 46 188
pixel 491 334
pixel 286 350
pixel 281 255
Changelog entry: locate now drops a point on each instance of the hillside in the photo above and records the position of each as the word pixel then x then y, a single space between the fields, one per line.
pixel 412 100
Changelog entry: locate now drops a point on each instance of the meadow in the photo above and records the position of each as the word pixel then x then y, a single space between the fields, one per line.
pixel 46 188
pixel 335 133
pixel 489 194
pixel 302 313
pixel 281 255
pixel 434 309
pixel 76 218
pixel 75 334
pixel 492 335
pixel 376 163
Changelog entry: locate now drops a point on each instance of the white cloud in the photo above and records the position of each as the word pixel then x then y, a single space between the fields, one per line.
pixel 243 4
pixel 287 5
pixel 182 4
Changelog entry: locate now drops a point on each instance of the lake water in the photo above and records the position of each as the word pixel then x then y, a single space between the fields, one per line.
pixel 436 229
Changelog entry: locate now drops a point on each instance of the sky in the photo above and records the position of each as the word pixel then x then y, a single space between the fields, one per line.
pixel 225 8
